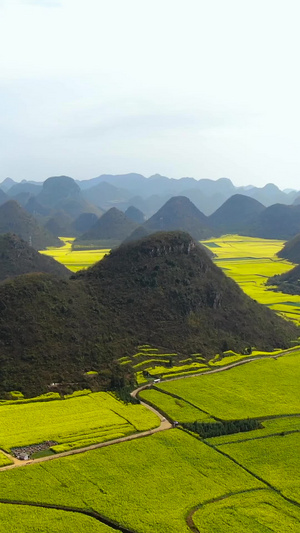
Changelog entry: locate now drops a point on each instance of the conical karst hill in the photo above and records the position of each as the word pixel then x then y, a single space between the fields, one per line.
pixel 278 221
pixel 114 224
pixel 163 290
pixel 291 250
pixel 179 213
pixel 17 257
pixel 236 215
pixel 168 292
pixel 14 219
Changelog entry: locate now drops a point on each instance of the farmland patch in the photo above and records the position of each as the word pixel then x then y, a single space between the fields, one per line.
pixel 34 518
pixel 261 388
pixel 260 511
pixel 148 484
pixel 75 422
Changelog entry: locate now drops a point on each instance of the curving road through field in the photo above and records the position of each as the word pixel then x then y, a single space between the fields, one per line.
pixel 164 423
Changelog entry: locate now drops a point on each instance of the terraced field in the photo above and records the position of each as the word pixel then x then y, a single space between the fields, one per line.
pixel 173 481
pixel 73 423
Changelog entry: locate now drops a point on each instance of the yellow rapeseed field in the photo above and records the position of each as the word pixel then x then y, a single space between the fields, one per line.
pixel 74 260
pixel 250 262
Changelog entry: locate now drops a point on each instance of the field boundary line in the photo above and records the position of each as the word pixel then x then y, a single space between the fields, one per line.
pixel 92 514
pixel 189 518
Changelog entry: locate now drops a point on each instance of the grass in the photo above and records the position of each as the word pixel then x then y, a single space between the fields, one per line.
pixel 26 519
pixel 261 511
pixel 258 389
pixel 74 421
pixel 148 484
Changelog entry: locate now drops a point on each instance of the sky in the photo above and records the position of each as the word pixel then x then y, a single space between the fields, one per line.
pixel 200 88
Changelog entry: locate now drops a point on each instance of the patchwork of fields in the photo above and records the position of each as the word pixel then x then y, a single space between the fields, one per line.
pixel 172 481
pixel 148 485
pixel 266 387
pixel 73 423
pixel 250 262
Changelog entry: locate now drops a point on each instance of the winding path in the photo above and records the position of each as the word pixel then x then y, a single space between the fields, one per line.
pixel 164 423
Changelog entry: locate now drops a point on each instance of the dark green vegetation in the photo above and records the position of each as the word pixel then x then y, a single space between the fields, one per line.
pixel 14 219
pixel 207 430
pixel 17 257
pixel 163 290
pixel 291 250
pixel 289 282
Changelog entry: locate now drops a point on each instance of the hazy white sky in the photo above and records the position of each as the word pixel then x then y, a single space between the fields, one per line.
pixel 202 88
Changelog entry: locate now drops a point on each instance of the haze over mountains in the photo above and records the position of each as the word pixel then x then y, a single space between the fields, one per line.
pixel 149 194
pixel 93 210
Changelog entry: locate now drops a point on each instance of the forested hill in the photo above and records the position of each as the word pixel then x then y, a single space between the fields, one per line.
pixel 17 257
pixel 163 290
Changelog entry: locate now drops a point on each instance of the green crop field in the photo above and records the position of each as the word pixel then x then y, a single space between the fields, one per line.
pixel 177 409
pixel 73 423
pixel 250 262
pixel 25 519
pixel 261 388
pixel 4 460
pixel 148 485
pixel 74 259
pixel 160 483
pixel 259 511
pixel 275 459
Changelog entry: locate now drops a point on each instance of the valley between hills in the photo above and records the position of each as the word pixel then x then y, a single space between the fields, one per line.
pixel 149 359
pixel 210 446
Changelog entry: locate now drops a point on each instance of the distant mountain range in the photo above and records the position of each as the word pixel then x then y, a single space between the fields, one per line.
pixel 93 210
pixel 149 194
